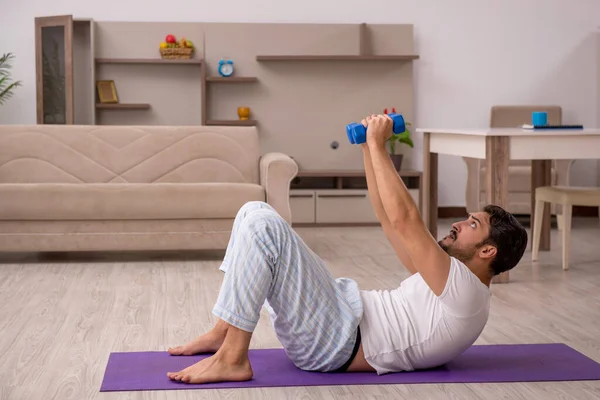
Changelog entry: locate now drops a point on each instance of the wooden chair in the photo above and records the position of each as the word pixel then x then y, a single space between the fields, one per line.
pixel 567 197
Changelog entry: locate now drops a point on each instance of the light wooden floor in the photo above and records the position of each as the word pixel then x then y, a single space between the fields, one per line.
pixel 60 318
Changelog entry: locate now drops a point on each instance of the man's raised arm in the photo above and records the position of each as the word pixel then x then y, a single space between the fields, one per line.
pixel 428 258
pixel 391 235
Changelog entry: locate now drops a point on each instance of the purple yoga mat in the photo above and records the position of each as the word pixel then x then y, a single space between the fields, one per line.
pixel 485 363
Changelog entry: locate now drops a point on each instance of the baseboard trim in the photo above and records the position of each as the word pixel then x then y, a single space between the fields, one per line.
pixel 332 224
pixel 452 212
pixel 460 212
pixel 585 211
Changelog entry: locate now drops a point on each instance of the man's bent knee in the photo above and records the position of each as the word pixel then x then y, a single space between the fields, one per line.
pixel 254 205
pixel 266 221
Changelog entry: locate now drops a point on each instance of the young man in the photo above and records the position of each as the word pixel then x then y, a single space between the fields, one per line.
pixel 326 324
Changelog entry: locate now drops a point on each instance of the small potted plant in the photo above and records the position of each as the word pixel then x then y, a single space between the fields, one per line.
pixel 6 83
pixel 403 137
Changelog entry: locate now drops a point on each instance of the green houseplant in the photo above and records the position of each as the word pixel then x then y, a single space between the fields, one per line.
pixel 404 137
pixel 7 85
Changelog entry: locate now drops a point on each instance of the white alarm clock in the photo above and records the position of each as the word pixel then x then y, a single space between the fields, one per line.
pixel 225 67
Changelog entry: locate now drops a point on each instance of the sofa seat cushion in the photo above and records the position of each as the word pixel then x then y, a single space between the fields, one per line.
pixel 125 201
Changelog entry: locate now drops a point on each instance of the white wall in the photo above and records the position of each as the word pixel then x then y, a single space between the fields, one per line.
pixel 474 53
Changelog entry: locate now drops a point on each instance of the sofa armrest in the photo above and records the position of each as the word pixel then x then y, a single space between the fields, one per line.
pixel 276 173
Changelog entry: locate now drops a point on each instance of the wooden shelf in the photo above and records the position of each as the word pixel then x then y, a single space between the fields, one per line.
pixel 337 57
pixel 123 106
pixel 233 122
pixel 147 61
pixel 232 79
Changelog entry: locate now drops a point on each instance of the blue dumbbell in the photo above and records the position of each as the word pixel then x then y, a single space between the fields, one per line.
pixel 357 133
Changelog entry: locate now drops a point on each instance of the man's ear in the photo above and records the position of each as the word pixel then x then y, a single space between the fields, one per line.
pixel 487 251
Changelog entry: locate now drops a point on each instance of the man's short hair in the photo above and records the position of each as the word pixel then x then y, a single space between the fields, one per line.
pixel 508 236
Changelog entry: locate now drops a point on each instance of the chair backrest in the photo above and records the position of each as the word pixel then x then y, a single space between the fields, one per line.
pixel 517 115
pixel 128 154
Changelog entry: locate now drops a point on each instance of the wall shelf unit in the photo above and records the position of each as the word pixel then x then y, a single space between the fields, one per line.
pixel 133 69
pixel 228 81
pixel 339 197
pixel 123 106
pixel 232 79
pixel 232 122
pixel 193 61
pixel 334 57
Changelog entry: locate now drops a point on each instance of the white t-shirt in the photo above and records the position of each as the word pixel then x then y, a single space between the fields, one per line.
pixel 411 328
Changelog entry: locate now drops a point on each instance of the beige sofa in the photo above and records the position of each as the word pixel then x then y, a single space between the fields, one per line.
pixel 96 188
pixel 519 171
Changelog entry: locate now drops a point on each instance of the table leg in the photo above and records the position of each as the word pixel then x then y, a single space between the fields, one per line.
pixel 430 187
pixel 497 179
pixel 541 175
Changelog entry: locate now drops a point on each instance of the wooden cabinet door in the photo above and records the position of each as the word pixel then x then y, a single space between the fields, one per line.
pixel 54 69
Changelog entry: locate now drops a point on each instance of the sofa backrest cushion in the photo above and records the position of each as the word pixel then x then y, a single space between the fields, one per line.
pixel 128 154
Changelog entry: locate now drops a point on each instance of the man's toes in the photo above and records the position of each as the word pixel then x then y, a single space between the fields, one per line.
pixel 176 351
pixel 176 376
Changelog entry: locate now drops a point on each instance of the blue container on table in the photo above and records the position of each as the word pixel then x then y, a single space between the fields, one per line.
pixel 539 118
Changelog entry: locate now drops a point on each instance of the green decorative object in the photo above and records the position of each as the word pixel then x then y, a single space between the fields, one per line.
pixel 404 137
pixel 7 85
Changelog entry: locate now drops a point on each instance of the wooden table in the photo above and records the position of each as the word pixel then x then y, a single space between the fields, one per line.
pixel 497 146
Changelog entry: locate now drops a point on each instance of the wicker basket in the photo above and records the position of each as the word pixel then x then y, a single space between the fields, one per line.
pixel 177 52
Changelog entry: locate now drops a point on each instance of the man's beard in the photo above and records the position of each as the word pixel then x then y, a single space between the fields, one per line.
pixel 463 255
pixel 448 247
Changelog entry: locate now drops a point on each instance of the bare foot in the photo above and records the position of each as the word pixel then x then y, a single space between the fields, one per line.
pixel 210 342
pixel 217 368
